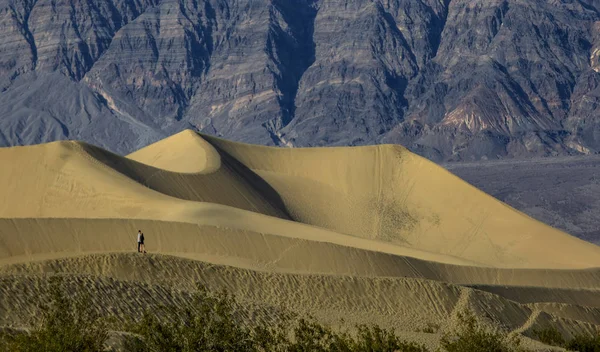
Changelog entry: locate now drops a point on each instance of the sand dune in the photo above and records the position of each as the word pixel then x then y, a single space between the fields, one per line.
pixel 419 208
pixel 370 226
pixel 387 193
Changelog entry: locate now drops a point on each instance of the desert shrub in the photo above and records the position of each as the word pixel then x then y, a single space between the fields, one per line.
pixel 431 328
pixel 376 339
pixel 6 337
pixel 312 336
pixel 66 325
pixel 207 324
pixel 550 336
pixel 472 337
pixel 270 338
pixel 133 343
pixel 309 335
pixel 584 343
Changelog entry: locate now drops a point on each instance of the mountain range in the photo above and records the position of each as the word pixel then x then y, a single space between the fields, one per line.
pixel 452 80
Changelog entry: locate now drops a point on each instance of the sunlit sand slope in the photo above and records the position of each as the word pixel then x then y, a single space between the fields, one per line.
pixel 187 152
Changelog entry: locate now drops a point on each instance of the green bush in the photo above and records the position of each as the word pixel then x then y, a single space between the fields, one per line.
pixel 6 338
pixel 584 343
pixel 472 337
pixel 66 325
pixel 377 339
pixel 312 336
pixel 210 324
pixel 550 336
pixel 431 328
pixel 207 324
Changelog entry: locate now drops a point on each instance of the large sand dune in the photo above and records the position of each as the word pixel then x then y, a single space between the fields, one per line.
pixel 388 236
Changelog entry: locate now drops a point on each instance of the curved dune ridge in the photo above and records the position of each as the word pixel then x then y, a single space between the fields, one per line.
pixel 357 213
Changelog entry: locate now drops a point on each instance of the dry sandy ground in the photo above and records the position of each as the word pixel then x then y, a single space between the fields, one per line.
pixel 368 234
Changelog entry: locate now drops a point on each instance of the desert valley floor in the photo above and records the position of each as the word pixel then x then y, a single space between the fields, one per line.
pixel 364 234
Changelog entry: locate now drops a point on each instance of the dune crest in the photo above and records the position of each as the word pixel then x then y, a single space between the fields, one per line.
pixel 187 153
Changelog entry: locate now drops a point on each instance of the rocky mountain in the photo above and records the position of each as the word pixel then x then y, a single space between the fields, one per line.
pixel 450 79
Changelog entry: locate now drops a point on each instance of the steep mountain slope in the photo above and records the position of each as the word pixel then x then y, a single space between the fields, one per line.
pixel 451 80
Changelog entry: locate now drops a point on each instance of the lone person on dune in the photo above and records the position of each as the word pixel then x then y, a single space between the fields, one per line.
pixel 143 247
pixel 139 240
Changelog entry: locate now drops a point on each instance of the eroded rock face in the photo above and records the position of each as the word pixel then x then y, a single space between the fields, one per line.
pixel 452 79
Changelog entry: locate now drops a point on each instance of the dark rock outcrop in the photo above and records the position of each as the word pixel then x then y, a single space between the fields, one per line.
pixel 451 79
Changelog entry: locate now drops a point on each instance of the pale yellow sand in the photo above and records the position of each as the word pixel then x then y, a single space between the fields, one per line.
pixel 365 213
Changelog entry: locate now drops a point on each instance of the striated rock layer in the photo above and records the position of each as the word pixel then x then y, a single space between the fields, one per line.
pixel 451 79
